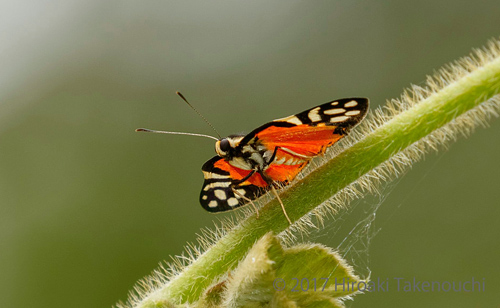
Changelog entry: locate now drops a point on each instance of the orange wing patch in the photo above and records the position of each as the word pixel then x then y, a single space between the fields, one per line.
pixel 303 139
pixel 238 174
pixel 284 173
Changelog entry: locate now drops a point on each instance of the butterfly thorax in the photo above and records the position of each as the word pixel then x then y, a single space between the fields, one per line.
pixel 248 156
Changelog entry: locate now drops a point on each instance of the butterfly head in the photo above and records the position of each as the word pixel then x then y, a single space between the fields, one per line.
pixel 225 147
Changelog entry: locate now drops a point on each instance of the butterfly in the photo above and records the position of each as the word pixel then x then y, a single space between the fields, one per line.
pixel 272 155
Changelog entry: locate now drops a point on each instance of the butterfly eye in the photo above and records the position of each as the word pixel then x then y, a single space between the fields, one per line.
pixel 224 145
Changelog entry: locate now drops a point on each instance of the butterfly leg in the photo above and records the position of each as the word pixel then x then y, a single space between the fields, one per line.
pixel 246 199
pixel 275 192
pixel 281 203
pixel 238 182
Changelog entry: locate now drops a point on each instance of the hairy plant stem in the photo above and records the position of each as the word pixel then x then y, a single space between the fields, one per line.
pixel 375 148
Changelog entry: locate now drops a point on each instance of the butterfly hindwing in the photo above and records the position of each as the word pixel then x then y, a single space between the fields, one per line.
pixel 221 190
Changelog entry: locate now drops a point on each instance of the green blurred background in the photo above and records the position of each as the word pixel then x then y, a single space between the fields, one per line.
pixel 87 206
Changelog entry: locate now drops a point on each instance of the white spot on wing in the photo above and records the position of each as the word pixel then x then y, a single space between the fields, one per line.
pixel 352 112
pixel 351 104
pixel 241 191
pixel 220 194
pixel 216 184
pixel 211 175
pixel 314 115
pixel 335 103
pixel 293 161
pixel 338 119
pixel 232 201
pixel 280 161
pixel 291 119
pixel 334 111
pixel 204 197
pixel 212 204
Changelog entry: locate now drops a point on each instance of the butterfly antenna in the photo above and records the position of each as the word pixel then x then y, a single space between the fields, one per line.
pixel 173 133
pixel 201 116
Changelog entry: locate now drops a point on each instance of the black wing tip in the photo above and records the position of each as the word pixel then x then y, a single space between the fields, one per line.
pixel 366 104
pixel 363 106
pixel 363 101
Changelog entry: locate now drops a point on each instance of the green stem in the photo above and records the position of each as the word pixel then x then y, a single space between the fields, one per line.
pixel 373 150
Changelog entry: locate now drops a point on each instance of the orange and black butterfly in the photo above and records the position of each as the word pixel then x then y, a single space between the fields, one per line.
pixel 247 166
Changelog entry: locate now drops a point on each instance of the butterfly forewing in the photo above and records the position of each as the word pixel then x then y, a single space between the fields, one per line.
pixel 311 132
